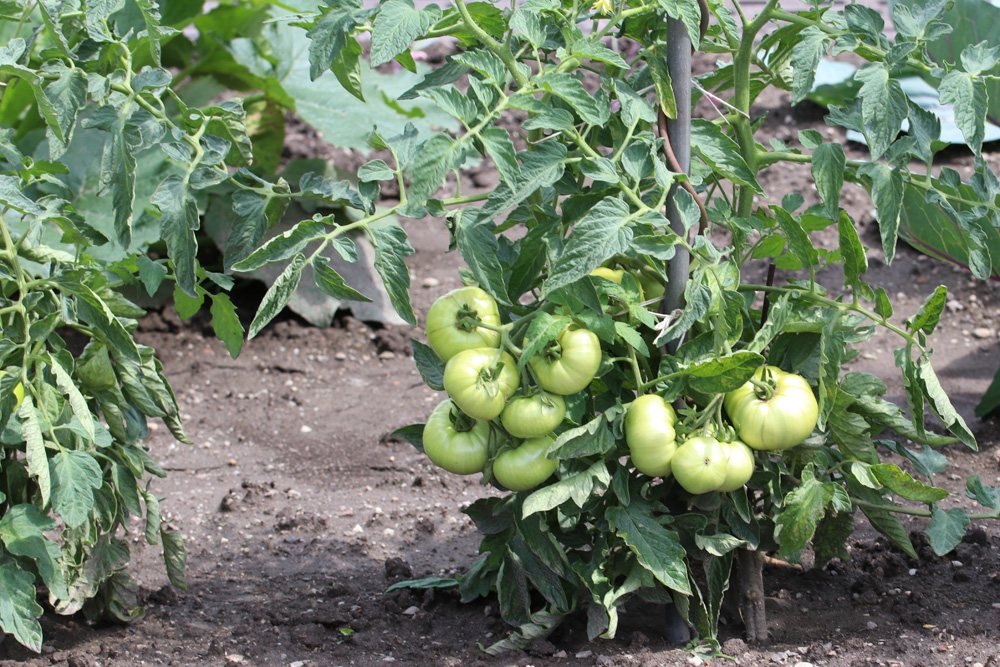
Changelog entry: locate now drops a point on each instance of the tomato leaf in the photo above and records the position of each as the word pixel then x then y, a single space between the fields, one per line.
pixel 175 557
pixel 277 295
pixel 603 232
pixel 801 511
pixel 946 529
pixel 391 249
pixel 657 548
pixel 226 323
pixel 900 482
pixel 593 438
pixel 19 611
pixel 413 434
pixel 397 26
pixel 718 376
pixel 75 476
pixel 424 584
pixel 541 331
pixel 987 496
pixel 429 365
pixel 578 488
pixel 830 539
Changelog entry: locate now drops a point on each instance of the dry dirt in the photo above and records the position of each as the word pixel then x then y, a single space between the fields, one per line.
pixel 299 510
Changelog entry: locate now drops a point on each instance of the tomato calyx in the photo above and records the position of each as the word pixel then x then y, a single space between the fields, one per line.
pixel 552 351
pixel 462 422
pixel 467 318
pixel 765 387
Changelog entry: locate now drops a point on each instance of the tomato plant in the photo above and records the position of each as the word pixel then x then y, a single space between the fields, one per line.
pixel 599 174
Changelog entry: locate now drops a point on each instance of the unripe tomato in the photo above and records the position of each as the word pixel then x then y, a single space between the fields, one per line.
pixel 533 416
pixel 784 420
pixel 446 332
pixel 462 452
pixel 525 467
pixel 739 465
pixel 568 365
pixel 699 465
pixel 649 432
pixel 480 381
pixel 651 287
pixel 18 391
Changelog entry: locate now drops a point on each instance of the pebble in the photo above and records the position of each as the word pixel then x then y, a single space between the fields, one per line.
pixel 559 654
pixel 954 305
pixel 695 661
pixel 235 658
pixel 871 625
pixel 584 654
pixel 388 354
pixel 983 332
pixel 957 563
pixel 340 356
pixel 305 429
pixel 803 664
pixel 431 282
pixel 411 611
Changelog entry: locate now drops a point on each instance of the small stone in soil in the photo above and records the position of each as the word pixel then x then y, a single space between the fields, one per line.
pixel 871 625
pixel 430 282
pixel 584 654
pixel 983 332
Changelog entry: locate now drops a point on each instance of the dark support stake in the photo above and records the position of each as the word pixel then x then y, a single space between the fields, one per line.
pixel 679 134
pixel 750 579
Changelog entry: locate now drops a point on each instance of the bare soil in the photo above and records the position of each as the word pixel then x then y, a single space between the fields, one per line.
pixel 299 510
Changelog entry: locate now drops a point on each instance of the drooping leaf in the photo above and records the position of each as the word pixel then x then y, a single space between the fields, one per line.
pixel 178 223
pixel 277 295
pixel 656 547
pixel 391 249
pixel 604 231
pixel 946 530
pixel 19 611
pixel 75 476
pixel 226 323
pixel 397 26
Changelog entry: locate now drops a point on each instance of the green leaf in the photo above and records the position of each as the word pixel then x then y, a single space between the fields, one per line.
pixel 600 169
pixel 330 35
pixel 424 584
pixel 828 166
pixel 941 405
pixel 476 239
pixel 226 323
pixel 431 368
pixel 186 306
pixel 657 548
pixel 883 106
pixel 22 530
pixel 594 110
pixel 887 523
pixel 830 539
pixel 76 400
pixel 436 157
pixel 900 482
pixel 35 454
pixel 541 331
pixel 578 488
pixel 175 558
pixel 75 476
pixel 528 22
pixel 603 232
pixel 376 170
pixel 968 95
pixel 153 519
pixel 277 295
pixel 595 50
pixel 987 496
pixel 391 249
pixel 413 434
pixel 283 246
pixel 991 398
pixel 68 97
pixel 946 529
pixel 254 212
pixel 689 13
pixel 512 591
pixel 501 150
pixel 397 26
pixel 798 239
pixel 19 611
pixel 721 153
pixel 811 46
pixel 150 273
pixel 801 511
pixel 725 374
pixel 855 261
pixel 926 319
pixel 592 439
pixel 887 195
pixel 331 282
pixel 178 223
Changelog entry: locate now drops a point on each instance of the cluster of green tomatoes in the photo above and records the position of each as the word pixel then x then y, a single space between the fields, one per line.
pixel 493 421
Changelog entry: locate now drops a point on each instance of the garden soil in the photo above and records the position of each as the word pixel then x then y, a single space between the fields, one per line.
pixel 299 509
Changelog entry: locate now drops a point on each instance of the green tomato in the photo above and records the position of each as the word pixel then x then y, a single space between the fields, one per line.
pixel 480 381
pixel 651 287
pixel 614 275
pixel 649 432
pixel 784 420
pixel 568 364
pixel 449 335
pixel 525 467
pixel 699 465
pixel 533 416
pixel 455 442
pixel 739 465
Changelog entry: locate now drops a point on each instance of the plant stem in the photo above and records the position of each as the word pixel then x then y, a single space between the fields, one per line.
pixel 501 50
pixel 635 369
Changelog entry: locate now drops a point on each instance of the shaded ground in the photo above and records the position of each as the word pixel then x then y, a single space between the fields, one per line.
pixel 299 511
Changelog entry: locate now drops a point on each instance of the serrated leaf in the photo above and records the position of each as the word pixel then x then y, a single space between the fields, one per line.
pixel 330 35
pixel 431 368
pixel 76 400
pixel 855 261
pixel 19 611
pixel 397 26
pixel 35 454
pixel 277 295
pixel 283 246
pixel 501 150
pixel 592 439
pixel 391 249
pixel 226 323
pixel 811 45
pixel 987 496
pixel 603 232
pixel 725 374
pixel 658 549
pixel 801 511
pixel 175 558
pixel 883 107
pixel 900 482
pixel 830 538
pixel 22 531
pixel 178 223
pixel 595 50
pixel 476 238
pixel 592 109
pixel 721 153
pixel 75 476
pixel 828 166
pixel 331 282
pixel 926 319
pixel 798 239
pixel 512 591
pixel 153 519
pixel 946 529
pixel 578 488
pixel 968 96
pixel 942 407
